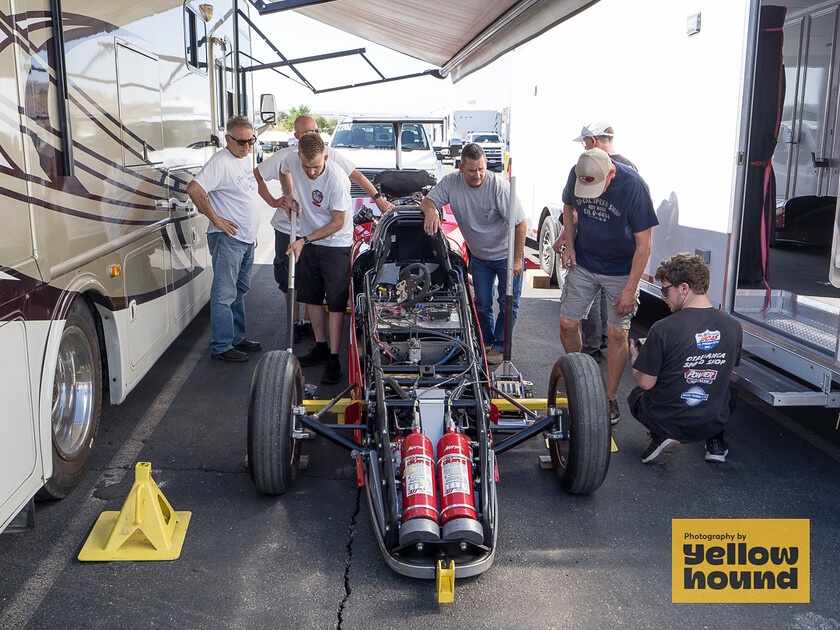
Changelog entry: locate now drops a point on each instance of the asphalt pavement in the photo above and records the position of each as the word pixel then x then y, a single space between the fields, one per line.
pixel 308 559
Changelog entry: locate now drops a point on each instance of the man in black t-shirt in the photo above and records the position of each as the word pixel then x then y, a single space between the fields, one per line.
pixel 683 368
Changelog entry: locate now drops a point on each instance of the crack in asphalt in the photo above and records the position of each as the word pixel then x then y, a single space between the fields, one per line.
pixel 351 536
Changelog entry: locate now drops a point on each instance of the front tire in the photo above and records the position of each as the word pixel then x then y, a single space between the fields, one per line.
pixel 76 402
pixel 581 462
pixel 273 454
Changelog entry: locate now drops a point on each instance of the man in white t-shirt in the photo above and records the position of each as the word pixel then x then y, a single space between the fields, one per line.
pixel 225 191
pixel 269 170
pixel 314 186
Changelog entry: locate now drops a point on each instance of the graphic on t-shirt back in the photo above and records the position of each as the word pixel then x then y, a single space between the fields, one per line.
pixel 707 339
pixel 694 396
pixel 317 198
pixel 707 377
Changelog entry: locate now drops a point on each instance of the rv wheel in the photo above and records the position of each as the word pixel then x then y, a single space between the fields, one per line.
pixel 273 454
pixel 76 402
pixel 581 461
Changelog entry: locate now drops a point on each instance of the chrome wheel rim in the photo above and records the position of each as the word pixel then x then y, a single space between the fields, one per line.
pixel 546 251
pixel 73 391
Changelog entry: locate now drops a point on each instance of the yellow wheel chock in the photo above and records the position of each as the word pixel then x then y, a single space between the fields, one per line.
pixel 445 579
pixel 147 528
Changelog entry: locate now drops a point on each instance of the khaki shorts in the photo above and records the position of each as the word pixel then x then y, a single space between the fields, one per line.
pixel 580 290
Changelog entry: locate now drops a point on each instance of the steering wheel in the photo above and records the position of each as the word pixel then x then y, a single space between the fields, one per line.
pixel 418 280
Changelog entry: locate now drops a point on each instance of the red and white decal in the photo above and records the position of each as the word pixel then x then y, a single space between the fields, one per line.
pixel 700 376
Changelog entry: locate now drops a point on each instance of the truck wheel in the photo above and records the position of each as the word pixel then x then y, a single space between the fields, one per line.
pixel 76 402
pixel 273 454
pixel 560 271
pixel 581 462
pixel 548 234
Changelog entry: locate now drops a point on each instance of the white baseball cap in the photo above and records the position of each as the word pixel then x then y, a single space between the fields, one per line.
pixel 595 129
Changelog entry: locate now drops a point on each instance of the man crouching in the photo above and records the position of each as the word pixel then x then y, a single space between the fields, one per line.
pixel 683 368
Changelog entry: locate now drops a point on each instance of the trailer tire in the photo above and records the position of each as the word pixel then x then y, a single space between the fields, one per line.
pixel 548 257
pixel 76 402
pixel 273 454
pixel 581 462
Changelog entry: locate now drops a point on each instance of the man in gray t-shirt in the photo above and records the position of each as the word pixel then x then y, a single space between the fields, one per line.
pixel 480 202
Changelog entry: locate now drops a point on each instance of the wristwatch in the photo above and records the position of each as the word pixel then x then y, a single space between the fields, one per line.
pixel 305 240
pixel 376 196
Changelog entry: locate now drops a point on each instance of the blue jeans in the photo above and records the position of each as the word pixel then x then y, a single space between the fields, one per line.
pixel 484 275
pixel 232 262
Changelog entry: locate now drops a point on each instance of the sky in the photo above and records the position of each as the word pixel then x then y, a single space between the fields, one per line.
pixel 488 88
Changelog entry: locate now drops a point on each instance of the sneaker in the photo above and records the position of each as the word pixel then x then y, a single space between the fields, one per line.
pixel 716 448
pixel 248 344
pixel 233 355
pixel 318 354
pixel 297 331
pixel 494 356
pixel 615 412
pixel 332 373
pixel 659 449
pixel 306 329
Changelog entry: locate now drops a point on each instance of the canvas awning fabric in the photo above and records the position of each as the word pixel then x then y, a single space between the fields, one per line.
pixel 458 37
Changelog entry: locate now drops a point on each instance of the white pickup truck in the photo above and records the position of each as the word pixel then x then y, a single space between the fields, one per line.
pixel 493 145
pixel 377 144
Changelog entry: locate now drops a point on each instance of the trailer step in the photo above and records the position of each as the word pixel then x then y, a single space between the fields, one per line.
pixel 777 389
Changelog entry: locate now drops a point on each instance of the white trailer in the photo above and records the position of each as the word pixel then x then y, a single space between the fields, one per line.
pixel 465 121
pixel 108 111
pixel 697 92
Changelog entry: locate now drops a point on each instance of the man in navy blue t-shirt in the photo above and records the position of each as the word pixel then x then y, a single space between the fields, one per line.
pixel 607 217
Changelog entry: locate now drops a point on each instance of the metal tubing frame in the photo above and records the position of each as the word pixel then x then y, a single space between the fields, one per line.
pixel 526 434
pixel 333 436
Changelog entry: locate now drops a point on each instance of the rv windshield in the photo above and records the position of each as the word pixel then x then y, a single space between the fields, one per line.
pixel 379 136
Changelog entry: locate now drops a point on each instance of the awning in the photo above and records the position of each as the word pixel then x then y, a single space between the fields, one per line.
pixel 459 36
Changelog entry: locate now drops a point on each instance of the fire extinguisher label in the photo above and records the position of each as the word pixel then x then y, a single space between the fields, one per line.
pixel 418 476
pixel 455 476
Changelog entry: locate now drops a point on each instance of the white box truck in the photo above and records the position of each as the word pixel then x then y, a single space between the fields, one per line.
pixel 729 109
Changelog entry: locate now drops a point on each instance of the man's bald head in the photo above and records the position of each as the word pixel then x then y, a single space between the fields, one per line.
pixel 303 124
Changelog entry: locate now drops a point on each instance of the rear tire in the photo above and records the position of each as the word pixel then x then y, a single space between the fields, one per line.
pixel 548 234
pixel 76 402
pixel 273 454
pixel 581 462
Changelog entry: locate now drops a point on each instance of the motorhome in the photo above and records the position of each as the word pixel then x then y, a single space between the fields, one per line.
pixel 108 111
pixel 729 108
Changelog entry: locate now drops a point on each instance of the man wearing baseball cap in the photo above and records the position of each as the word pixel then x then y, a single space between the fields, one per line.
pixel 593 328
pixel 607 217
pixel 599 135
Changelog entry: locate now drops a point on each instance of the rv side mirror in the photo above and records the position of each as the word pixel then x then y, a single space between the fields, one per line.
pixel 268 109
pixel 442 153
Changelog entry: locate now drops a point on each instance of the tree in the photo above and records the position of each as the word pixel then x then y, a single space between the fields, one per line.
pixel 327 125
pixel 289 119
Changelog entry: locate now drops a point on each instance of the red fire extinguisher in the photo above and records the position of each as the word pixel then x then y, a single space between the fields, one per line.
pixel 420 515
pixel 457 513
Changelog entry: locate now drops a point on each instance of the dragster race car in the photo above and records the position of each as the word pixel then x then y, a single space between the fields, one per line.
pixel 423 415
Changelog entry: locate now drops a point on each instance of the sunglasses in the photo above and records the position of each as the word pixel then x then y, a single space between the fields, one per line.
pixel 242 143
pixel 664 289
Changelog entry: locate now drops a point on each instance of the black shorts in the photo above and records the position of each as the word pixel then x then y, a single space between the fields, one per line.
pixel 324 271
pixel 281 260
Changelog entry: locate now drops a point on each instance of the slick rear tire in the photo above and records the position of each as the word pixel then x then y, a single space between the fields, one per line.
pixel 273 454
pixel 76 402
pixel 581 462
